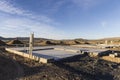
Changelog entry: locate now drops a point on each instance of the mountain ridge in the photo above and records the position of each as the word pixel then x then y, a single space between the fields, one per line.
pixel 27 38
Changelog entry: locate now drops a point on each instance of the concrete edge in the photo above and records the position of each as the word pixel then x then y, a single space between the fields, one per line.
pixel 33 57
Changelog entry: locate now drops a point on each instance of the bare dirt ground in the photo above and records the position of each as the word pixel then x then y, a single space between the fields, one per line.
pixel 9 68
pixel 74 68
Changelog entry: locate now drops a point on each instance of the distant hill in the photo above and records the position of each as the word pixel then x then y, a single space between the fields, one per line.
pixel 64 41
pixel 21 38
pixel 2 38
pixel 112 38
pixel 81 39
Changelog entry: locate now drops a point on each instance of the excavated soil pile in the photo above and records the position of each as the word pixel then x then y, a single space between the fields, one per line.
pixel 14 42
pixel 41 43
pixel 68 42
pixel 57 42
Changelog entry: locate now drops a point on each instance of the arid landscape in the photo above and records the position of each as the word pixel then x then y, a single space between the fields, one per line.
pixel 59 39
pixel 84 67
pixel 75 68
pixel 43 41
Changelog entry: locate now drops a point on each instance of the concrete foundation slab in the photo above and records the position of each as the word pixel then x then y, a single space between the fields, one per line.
pixel 49 53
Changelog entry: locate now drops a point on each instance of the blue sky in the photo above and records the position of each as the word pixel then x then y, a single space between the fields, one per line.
pixel 60 19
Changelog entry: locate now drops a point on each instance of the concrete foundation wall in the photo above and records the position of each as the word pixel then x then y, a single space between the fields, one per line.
pixel 36 58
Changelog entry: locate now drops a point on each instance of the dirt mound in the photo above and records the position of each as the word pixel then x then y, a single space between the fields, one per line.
pixel 54 42
pixel 2 43
pixel 48 42
pixel 57 42
pixel 68 42
pixel 41 43
pixel 14 42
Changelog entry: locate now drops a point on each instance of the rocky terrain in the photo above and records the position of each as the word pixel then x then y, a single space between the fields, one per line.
pixel 9 68
pixel 74 68
pixel 14 67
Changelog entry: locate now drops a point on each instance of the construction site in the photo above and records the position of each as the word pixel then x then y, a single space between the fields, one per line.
pixel 61 62
pixel 59 40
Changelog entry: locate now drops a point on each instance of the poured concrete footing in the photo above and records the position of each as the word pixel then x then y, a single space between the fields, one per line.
pixel 33 57
pixel 44 54
pixel 53 53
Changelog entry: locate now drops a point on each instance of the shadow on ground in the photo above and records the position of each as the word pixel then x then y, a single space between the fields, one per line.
pixel 73 68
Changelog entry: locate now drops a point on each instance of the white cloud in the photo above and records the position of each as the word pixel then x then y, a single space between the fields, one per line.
pixel 9 8
pixel 22 26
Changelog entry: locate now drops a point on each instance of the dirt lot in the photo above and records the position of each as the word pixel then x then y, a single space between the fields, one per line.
pixel 74 68
pixel 9 69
